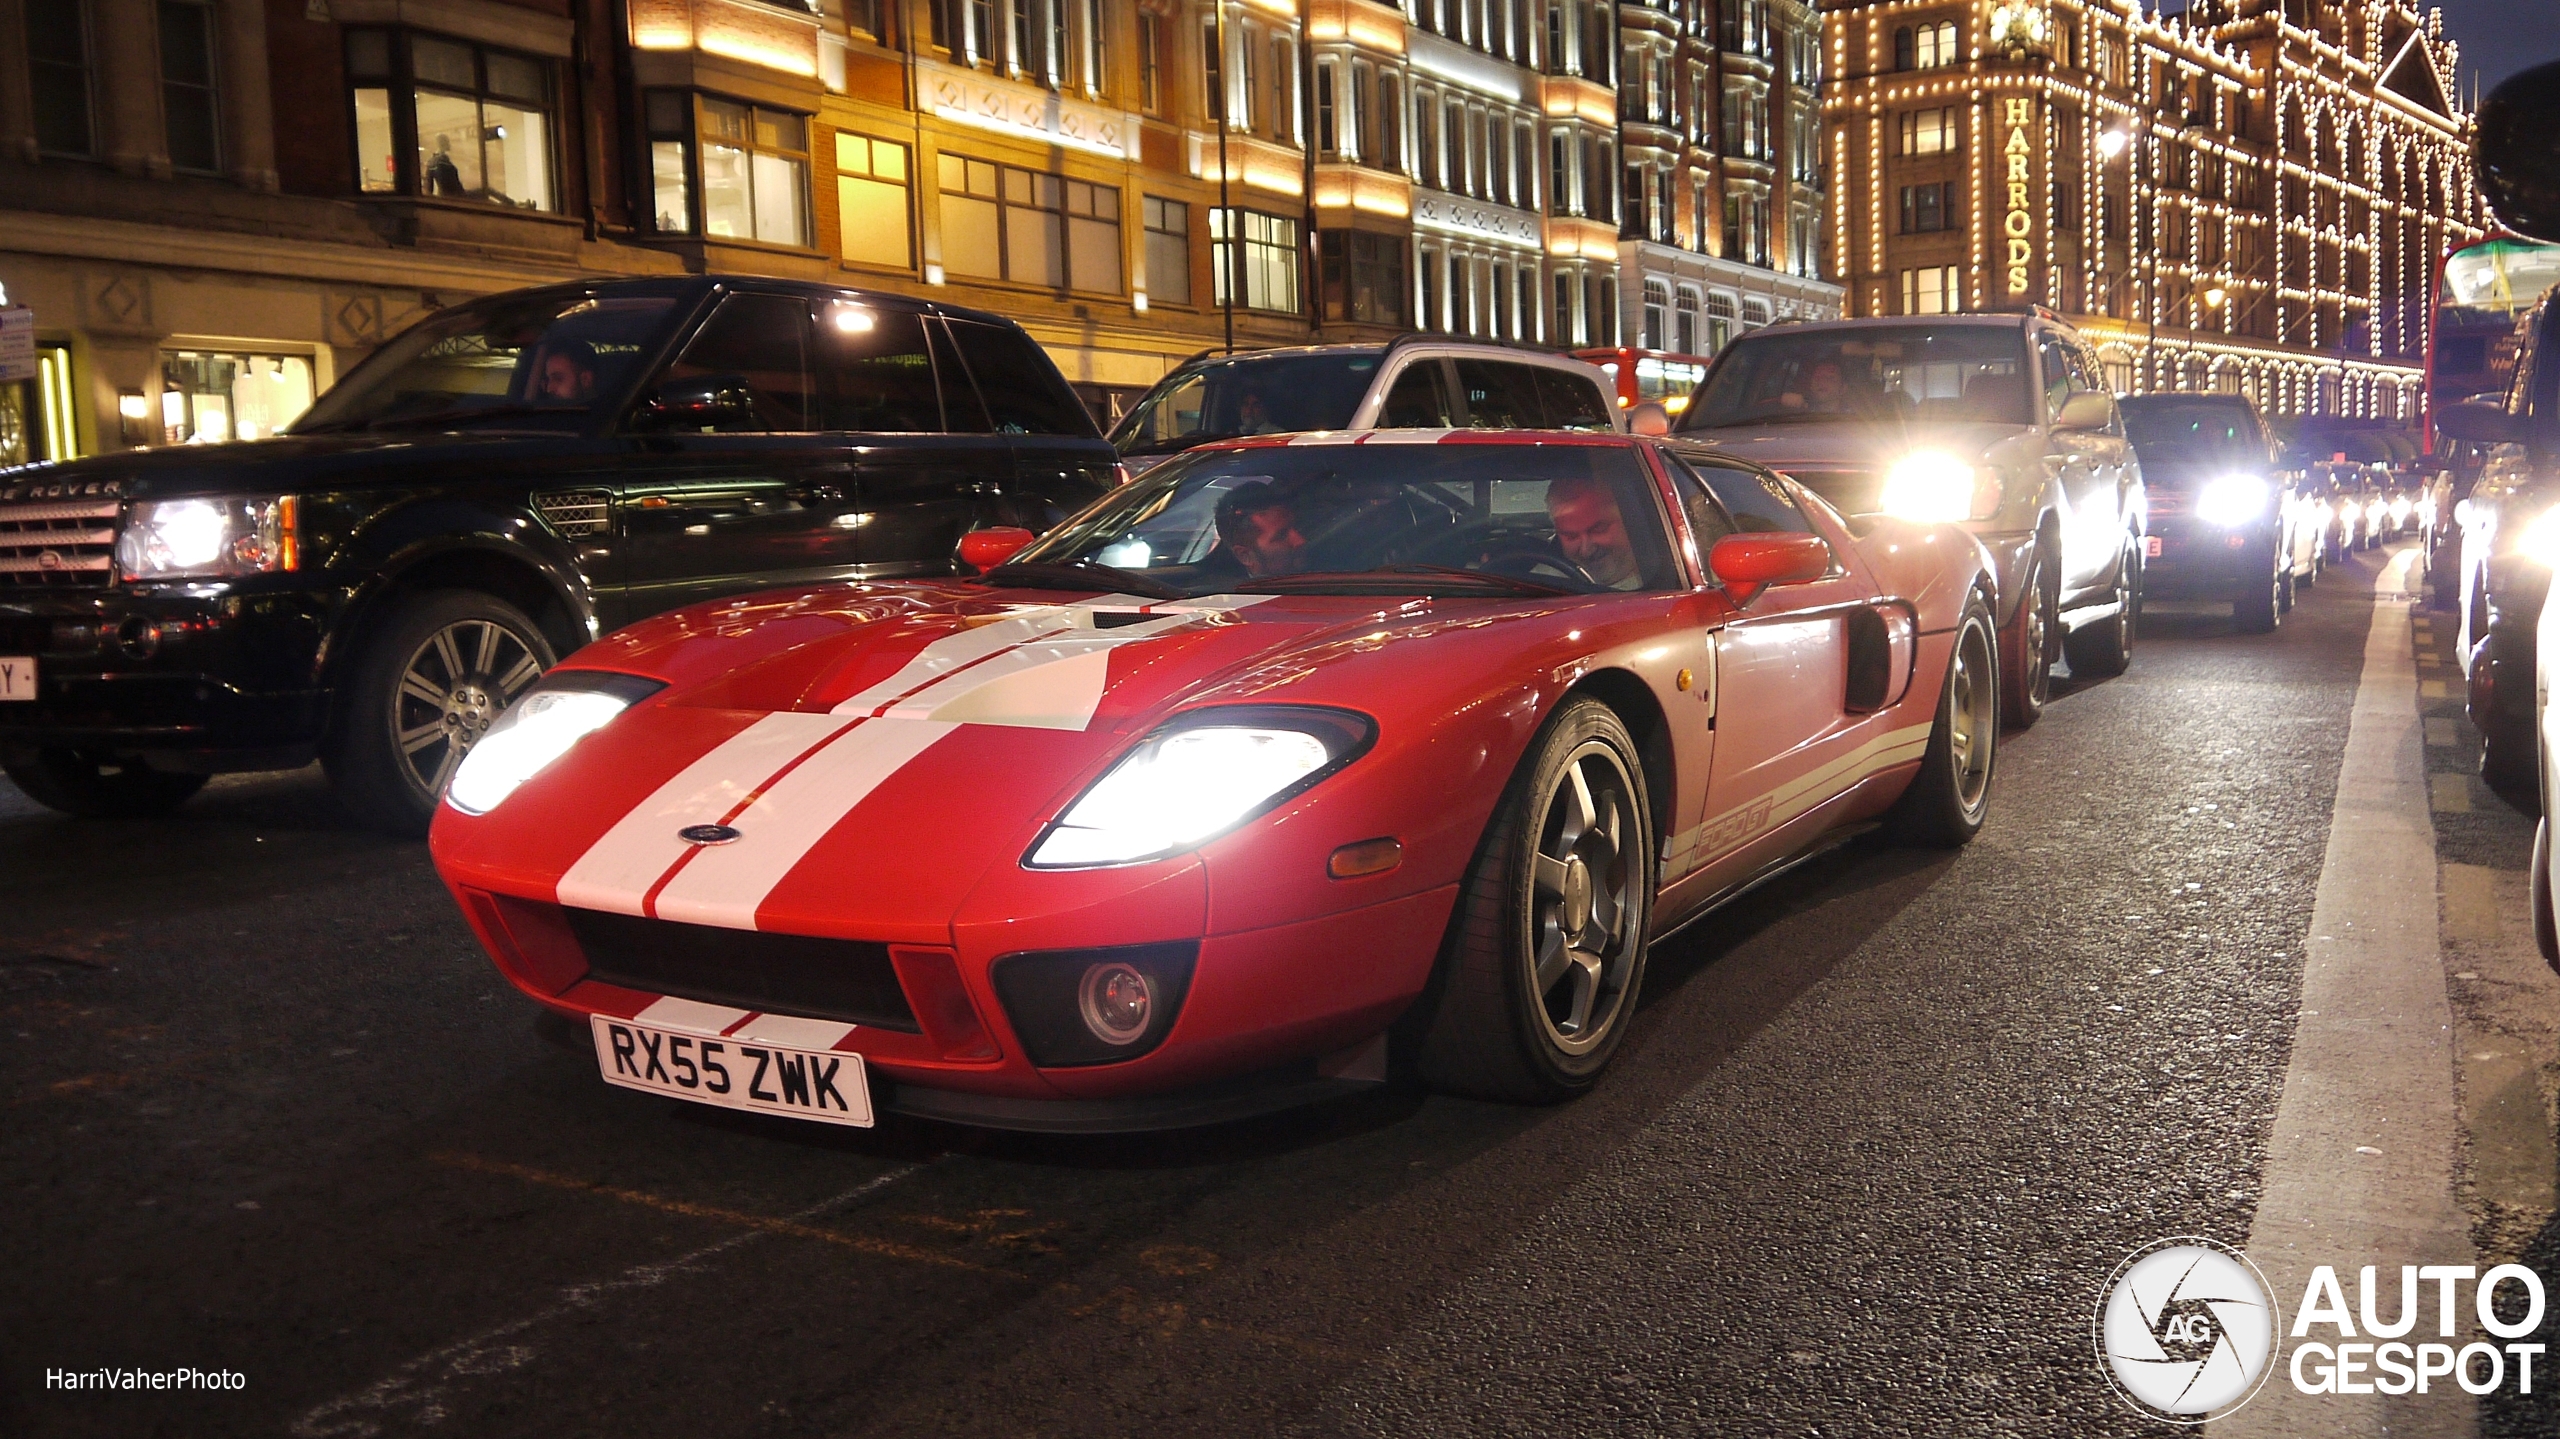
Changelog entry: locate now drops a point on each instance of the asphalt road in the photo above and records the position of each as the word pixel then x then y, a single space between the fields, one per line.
pixel 1878 1138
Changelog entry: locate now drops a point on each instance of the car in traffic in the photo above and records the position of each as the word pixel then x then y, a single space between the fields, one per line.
pixel 1416 381
pixel 1998 422
pixel 489 491
pixel 2510 538
pixel 1293 757
pixel 2223 520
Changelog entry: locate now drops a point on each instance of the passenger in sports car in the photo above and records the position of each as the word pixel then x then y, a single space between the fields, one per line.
pixel 1259 525
pixel 1591 531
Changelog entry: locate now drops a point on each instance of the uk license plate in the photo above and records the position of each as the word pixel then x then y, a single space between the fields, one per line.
pixel 825 1085
pixel 17 678
pixel 2151 547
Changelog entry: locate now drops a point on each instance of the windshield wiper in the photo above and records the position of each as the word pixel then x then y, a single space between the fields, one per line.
pixel 1382 580
pixel 1080 575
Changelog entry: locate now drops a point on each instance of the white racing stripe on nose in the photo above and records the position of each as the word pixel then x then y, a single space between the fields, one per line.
pixel 725 884
pixel 616 871
pixel 690 1015
pixel 1052 683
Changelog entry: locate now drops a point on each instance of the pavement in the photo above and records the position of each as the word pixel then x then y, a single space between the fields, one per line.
pixel 1878 1138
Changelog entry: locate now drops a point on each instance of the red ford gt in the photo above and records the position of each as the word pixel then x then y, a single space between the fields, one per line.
pixel 1293 756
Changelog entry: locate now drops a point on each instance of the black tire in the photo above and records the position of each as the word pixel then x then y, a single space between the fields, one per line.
pixel 2103 649
pixel 2284 584
pixel 393 747
pixel 2546 929
pixel 1577 811
pixel 1948 798
pixel 77 784
pixel 2259 611
pixel 2028 684
pixel 2507 764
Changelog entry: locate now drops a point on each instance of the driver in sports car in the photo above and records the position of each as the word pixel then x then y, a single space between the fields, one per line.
pixel 1258 524
pixel 1591 531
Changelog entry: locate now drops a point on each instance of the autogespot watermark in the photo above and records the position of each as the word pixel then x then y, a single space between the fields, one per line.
pixel 2187 1331
pixel 139 1379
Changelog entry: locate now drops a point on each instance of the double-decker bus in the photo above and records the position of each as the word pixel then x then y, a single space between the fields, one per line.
pixel 2480 289
pixel 1641 375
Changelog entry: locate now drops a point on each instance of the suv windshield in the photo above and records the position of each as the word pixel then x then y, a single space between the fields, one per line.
pixel 1914 374
pixel 531 355
pixel 1248 395
pixel 2165 428
pixel 1362 519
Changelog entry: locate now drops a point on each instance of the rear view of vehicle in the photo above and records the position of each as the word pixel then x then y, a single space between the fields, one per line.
pixel 1420 382
pixel 2221 514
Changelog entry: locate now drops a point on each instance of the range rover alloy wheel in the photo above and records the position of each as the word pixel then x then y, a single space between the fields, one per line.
pixel 437 675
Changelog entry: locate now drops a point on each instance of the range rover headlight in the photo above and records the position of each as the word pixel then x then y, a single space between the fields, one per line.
pixel 2232 500
pixel 2540 541
pixel 1199 776
pixel 1930 486
pixel 216 537
pixel 564 708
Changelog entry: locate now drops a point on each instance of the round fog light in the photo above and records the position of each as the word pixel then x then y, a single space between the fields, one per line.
pixel 1116 1001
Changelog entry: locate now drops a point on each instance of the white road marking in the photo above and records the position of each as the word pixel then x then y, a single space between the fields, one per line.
pixel 414 1395
pixel 2372 1065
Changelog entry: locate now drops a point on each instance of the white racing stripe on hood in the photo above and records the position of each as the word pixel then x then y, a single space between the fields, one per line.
pixel 1049 678
pixel 617 870
pixel 966 647
pixel 725 884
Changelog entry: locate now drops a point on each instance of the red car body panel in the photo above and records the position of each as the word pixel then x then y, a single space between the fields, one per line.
pixel 892 752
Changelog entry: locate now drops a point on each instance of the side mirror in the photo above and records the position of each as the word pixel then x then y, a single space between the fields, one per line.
pixel 2516 155
pixel 1649 418
pixel 700 402
pixel 2480 422
pixel 983 550
pixel 1747 564
pixel 2086 410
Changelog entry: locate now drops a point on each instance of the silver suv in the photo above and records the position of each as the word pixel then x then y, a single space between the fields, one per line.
pixel 1422 382
pixel 1998 422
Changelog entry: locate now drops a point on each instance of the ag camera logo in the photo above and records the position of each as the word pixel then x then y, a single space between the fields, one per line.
pixel 2186 1329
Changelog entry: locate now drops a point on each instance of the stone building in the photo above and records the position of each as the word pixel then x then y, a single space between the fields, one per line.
pixel 214 207
pixel 1719 114
pixel 2248 195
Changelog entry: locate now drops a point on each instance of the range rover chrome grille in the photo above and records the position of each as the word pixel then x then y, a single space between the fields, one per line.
pixel 57 544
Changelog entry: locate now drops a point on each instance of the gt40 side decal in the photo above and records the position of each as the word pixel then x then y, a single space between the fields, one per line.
pixel 1721 834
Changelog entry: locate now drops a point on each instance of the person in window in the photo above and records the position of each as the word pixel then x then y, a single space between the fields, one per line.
pixel 568 374
pixel 1253 416
pixel 1591 531
pixel 443 176
pixel 1824 393
pixel 1258 524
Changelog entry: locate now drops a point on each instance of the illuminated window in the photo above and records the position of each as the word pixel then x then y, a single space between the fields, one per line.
pixel 872 202
pixel 1929 132
pixel 208 399
pixel 755 173
pixel 450 120
pixel 1000 223
pixel 1930 291
pixel 1269 259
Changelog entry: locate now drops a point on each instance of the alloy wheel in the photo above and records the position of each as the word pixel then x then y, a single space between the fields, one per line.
pixel 1582 899
pixel 1971 715
pixel 453 688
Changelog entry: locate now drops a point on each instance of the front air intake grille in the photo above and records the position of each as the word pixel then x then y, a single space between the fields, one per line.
pixel 576 514
pixel 850 980
pixel 57 544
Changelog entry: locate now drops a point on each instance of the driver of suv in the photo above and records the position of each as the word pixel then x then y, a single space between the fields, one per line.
pixel 568 374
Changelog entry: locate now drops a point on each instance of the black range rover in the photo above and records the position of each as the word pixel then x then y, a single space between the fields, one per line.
pixel 493 489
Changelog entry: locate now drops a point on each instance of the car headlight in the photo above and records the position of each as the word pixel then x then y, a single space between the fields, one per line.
pixel 536 730
pixel 2232 500
pixel 1198 777
pixel 2540 541
pixel 216 537
pixel 2349 510
pixel 1932 485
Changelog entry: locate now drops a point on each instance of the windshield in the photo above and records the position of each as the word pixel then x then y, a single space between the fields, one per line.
pixel 552 354
pixel 1248 395
pixel 1378 519
pixel 1904 373
pixel 2176 430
